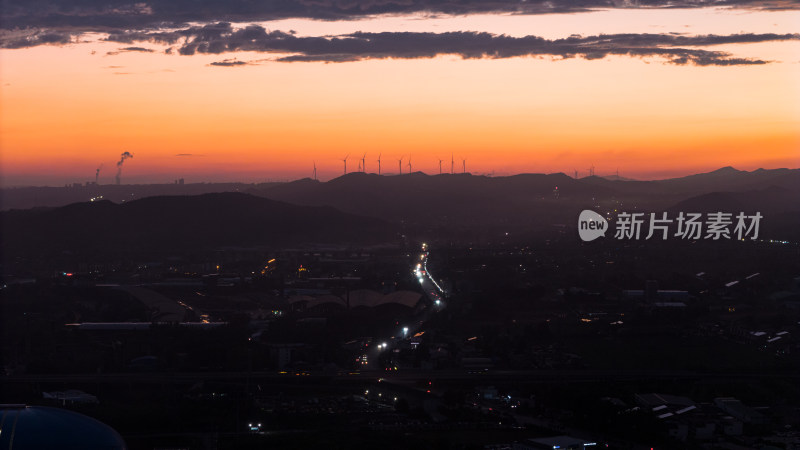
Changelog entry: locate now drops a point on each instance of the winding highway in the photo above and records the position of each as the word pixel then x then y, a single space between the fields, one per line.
pixel 430 287
pixel 432 291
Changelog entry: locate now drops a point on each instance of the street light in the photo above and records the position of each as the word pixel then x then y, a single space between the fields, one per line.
pixel 405 332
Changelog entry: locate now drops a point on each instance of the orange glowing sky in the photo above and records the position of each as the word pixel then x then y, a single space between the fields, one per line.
pixel 68 109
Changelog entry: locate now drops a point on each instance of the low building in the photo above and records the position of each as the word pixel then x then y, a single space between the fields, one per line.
pixel 738 410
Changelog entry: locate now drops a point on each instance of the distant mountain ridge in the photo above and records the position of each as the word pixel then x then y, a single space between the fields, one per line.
pixel 466 200
pixel 361 207
pixel 726 179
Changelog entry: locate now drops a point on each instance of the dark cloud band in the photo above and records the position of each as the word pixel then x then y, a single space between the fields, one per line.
pixel 101 14
pixel 221 38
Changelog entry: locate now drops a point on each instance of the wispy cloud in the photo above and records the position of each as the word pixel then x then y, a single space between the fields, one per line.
pixel 130 49
pixel 136 49
pixel 229 63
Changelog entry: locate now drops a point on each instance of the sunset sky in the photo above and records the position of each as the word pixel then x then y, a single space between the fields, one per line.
pixel 252 91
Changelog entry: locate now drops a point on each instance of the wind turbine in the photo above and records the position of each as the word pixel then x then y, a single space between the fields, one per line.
pixel 452 161
pixel 409 163
pixel 344 160
pixel 440 167
pixel 363 162
pixel 315 171
pixel 576 173
pixel 400 164
pixel 379 163
pixel 464 165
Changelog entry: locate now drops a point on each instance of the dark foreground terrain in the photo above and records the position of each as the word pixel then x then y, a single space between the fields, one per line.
pixel 237 321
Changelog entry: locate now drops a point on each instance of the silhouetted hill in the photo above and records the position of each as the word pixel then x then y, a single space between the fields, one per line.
pixel 780 208
pixel 463 199
pixel 46 196
pixel 174 224
pixel 769 200
pixel 728 179
pixel 618 178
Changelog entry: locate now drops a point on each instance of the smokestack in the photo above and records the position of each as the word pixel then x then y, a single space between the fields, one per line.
pixel 122 158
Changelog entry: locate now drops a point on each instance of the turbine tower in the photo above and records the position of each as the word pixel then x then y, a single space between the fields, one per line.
pixel 364 162
pixel 409 163
pixel 452 161
pixel 440 167
pixel 379 163
pixel 400 165
pixel 315 171
pixel 344 160
pixel 576 173
pixel 464 165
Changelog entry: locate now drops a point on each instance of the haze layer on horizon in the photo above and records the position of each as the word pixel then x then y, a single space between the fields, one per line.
pixel 235 94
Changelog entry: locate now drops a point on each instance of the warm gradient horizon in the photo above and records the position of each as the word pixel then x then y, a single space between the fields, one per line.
pixel 651 93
